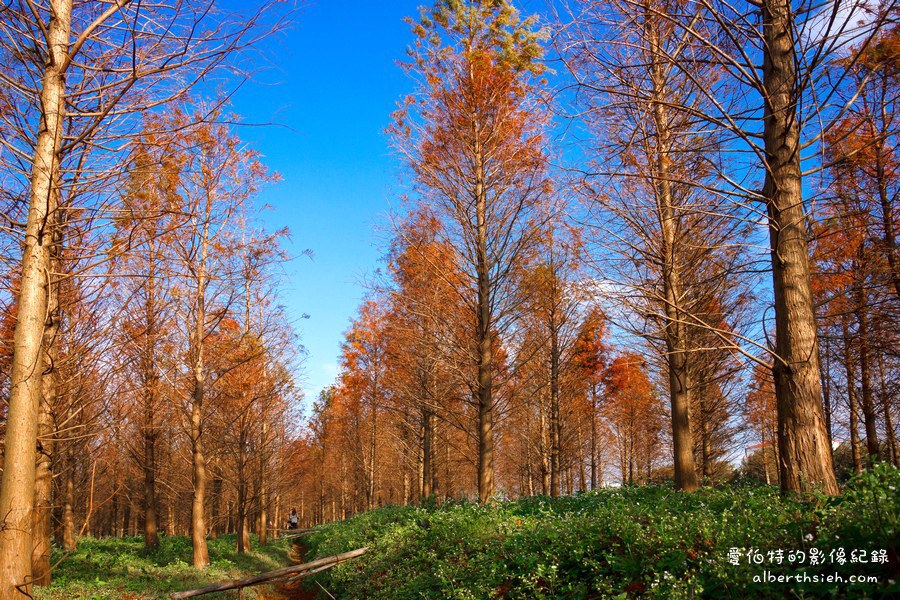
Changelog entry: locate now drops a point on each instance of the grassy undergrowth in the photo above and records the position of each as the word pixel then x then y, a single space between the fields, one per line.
pixel 120 568
pixel 621 543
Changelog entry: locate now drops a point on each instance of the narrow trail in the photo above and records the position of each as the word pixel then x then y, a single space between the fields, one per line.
pixel 297 591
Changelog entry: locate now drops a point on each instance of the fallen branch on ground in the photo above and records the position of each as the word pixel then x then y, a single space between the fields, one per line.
pixel 294 573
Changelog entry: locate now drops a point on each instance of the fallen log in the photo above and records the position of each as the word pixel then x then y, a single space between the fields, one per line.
pixel 293 572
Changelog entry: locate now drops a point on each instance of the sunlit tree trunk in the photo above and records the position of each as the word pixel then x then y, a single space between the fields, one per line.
pixel 805 457
pixel 427 459
pixel 485 398
pixel 555 424
pixel 151 400
pixel 43 483
pixel 865 374
pixel 264 489
pixel 677 356
pixel 20 442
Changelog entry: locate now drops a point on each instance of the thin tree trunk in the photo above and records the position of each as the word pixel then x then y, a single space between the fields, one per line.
pixel 594 471
pixel 888 420
pixel 372 446
pixel 216 515
pixel 126 519
pixel 826 391
pixel 20 442
pixel 243 536
pixel 544 451
pixel 865 375
pixel 264 490
pixel 427 458
pixel 887 212
pixel 276 517
pixel 851 395
pixel 554 405
pixel 805 457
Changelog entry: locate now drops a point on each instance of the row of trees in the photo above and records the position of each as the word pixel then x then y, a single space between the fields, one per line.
pixel 723 237
pixel 146 373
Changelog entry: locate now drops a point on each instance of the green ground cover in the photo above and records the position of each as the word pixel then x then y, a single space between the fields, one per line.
pixel 629 542
pixel 120 568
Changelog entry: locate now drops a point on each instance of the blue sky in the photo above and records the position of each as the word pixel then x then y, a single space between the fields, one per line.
pixel 331 89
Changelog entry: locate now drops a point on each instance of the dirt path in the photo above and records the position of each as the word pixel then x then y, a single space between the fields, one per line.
pixel 297 591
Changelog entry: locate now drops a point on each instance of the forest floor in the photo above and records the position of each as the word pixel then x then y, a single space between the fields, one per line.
pixel 647 541
pixel 628 542
pixel 120 568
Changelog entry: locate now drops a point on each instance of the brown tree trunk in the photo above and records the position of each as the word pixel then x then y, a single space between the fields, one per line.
pixel 427 459
pixel 595 481
pixel 887 211
pixel 675 335
pixel 826 392
pixel 151 534
pixel 865 375
pixel 20 442
pixel 851 395
pixel 483 332
pixel 554 406
pixel 544 450
pixel 805 457
pixel 370 492
pixel 43 485
pixel 215 514
pixel 199 478
pixel 199 474
pixel 243 536
pixel 276 517
pixel 888 420
pixel 126 518
pixel 263 489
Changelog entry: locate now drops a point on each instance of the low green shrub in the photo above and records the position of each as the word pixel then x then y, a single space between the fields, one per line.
pixel 648 541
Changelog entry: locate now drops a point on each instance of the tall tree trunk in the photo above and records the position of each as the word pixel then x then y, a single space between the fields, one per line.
pixel 826 391
pixel 554 405
pixel 43 482
pixel 544 450
pixel 851 394
pixel 888 420
pixel 427 459
pixel 242 535
pixel 151 535
pixel 264 489
pixel 370 492
pixel 889 243
pixel 43 486
pixel 199 478
pixel 276 517
pixel 150 381
pixel 126 518
pixel 865 374
pixel 483 333
pixel 199 474
pixel 20 442
pixel 674 331
pixel 595 481
pixel 215 513
pixel 804 453
pixel 582 474
pixel 706 446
